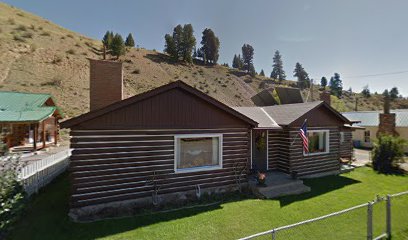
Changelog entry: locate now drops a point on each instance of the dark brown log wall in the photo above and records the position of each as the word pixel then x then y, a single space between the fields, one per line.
pixel 346 147
pixel 115 165
pixel 278 152
pixel 306 165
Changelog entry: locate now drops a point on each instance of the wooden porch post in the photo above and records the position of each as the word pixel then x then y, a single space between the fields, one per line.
pixel 35 137
pixel 43 133
pixel 55 131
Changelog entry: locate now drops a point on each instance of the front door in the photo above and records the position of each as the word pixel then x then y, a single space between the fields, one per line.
pixel 259 150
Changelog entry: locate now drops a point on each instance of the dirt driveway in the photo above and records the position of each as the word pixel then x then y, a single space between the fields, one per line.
pixel 362 157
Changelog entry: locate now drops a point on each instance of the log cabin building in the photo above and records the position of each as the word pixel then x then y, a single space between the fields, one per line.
pixel 28 121
pixel 175 142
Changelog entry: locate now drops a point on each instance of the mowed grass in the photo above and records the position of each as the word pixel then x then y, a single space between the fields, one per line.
pixel 46 217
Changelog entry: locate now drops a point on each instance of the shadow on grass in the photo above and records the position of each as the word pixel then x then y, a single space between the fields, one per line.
pixel 46 216
pixel 318 187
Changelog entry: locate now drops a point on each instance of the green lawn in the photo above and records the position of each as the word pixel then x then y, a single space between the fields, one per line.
pixel 47 218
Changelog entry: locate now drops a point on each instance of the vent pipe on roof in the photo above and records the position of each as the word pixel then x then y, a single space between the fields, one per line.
pixel 105 83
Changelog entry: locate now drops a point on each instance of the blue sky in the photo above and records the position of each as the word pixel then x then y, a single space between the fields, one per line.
pixel 353 38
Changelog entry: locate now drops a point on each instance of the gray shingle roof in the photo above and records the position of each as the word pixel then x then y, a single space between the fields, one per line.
pixel 259 115
pixel 371 118
pixel 286 114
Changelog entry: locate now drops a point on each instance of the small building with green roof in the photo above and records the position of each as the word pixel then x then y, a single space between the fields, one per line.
pixel 28 120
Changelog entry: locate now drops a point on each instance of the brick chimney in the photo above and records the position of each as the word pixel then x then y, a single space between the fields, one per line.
pixel 387 120
pixel 106 83
pixel 325 97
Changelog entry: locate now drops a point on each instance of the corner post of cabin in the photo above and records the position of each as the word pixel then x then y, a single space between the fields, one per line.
pixel 43 134
pixel 267 150
pixel 35 137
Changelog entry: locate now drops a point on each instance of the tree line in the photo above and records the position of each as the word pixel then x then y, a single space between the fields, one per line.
pixel 181 45
pixel 114 45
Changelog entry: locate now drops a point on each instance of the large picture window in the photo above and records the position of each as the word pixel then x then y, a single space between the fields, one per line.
pixel 198 152
pixel 318 142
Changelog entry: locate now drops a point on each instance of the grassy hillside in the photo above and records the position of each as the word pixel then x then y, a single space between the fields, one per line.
pixel 39 56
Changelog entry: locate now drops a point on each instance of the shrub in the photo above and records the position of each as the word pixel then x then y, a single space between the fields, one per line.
pixel 55 82
pixel 18 38
pixel 21 28
pixel 45 34
pixel 387 151
pixel 11 21
pixel 136 71
pixel 12 196
pixel 57 59
pixel 70 36
pixel 71 51
pixel 27 35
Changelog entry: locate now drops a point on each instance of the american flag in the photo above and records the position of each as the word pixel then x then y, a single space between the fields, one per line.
pixel 304 137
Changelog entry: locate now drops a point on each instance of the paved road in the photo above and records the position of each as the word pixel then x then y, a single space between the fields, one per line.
pixel 362 157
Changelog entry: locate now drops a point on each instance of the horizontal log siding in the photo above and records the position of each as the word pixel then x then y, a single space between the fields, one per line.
pixel 278 150
pixel 346 147
pixel 109 166
pixel 305 165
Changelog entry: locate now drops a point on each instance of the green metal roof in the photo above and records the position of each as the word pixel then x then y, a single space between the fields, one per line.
pixel 24 107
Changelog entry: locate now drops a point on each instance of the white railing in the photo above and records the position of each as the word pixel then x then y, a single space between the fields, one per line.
pixel 37 174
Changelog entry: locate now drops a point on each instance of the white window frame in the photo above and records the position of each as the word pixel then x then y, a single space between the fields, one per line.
pixel 367 135
pixel 327 143
pixel 203 168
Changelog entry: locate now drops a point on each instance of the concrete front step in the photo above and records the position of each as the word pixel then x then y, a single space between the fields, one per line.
pixel 277 185
pixel 283 190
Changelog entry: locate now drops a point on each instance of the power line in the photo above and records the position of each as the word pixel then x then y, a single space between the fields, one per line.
pixel 377 74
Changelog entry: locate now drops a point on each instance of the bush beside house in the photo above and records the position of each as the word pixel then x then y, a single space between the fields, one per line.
pixel 388 150
pixel 12 196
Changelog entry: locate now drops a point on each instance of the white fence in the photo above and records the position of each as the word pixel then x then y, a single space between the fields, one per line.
pixel 379 219
pixel 37 174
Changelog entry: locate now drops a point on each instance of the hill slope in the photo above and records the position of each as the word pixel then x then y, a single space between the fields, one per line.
pixel 39 56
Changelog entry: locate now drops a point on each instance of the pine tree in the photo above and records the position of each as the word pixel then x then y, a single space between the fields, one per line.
pixel 210 46
pixel 336 85
pixel 247 56
pixel 130 42
pixel 240 62
pixel 182 43
pixel 235 61
pixel 107 40
pixel 170 47
pixel 188 43
pixel 366 92
pixel 302 76
pixel 252 71
pixel 394 93
pixel 277 68
pixel 178 40
pixel 118 46
pixel 323 82
pixel 262 73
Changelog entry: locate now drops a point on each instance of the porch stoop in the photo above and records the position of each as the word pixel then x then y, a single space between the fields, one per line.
pixel 278 184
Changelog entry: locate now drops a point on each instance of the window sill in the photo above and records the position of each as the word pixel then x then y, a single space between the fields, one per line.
pixel 315 154
pixel 197 169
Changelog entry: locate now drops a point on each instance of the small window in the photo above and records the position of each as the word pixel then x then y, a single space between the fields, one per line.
pixel 198 152
pixel 367 136
pixel 318 142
